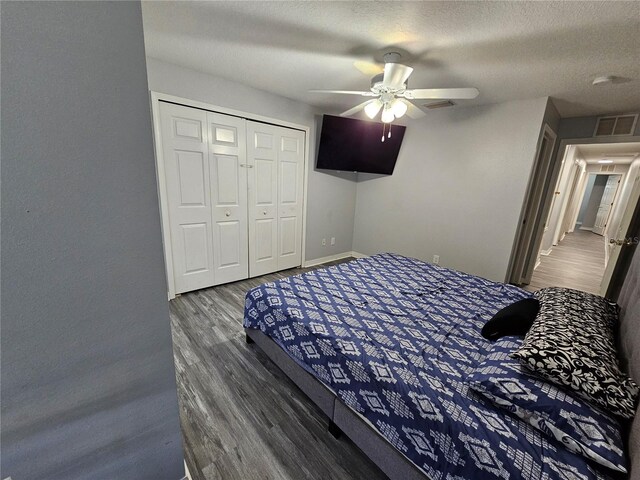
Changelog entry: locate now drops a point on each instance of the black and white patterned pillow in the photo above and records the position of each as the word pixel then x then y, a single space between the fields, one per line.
pixel 571 343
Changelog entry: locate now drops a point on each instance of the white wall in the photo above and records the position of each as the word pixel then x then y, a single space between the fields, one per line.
pixel 570 216
pixel 571 180
pixel 563 185
pixel 585 198
pixel 457 189
pixel 623 199
pixel 331 197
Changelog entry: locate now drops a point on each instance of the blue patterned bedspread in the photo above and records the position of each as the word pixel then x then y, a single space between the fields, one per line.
pixel 396 338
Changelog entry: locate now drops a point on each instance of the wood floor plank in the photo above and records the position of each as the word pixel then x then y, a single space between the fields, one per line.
pixel 576 262
pixel 242 418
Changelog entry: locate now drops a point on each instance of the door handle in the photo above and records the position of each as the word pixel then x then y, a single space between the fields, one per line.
pixel 227 213
pixel 624 241
pixel 264 212
pixel 246 165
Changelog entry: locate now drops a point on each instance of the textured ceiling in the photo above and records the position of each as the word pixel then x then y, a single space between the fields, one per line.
pixel 618 152
pixel 508 50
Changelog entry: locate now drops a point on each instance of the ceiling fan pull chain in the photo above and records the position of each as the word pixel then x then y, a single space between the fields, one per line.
pixel 383 125
pixel 389 136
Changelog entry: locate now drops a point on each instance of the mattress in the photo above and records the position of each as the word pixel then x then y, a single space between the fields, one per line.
pixel 395 338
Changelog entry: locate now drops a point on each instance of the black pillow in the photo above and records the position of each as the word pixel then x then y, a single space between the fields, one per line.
pixel 514 319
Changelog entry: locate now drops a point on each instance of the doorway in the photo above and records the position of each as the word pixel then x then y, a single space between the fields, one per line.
pixel 585 216
pixel 597 202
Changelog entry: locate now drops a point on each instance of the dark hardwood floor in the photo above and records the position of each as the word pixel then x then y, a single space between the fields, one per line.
pixel 241 417
pixel 576 262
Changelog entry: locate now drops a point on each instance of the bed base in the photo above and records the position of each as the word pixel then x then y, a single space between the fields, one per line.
pixel 342 419
pixel 334 430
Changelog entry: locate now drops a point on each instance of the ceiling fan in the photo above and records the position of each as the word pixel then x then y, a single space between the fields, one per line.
pixel 390 93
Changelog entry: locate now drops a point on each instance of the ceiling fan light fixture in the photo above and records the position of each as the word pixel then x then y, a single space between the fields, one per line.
pixel 373 108
pixel 387 114
pixel 398 107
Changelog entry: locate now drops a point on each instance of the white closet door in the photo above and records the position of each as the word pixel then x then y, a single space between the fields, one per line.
pixel 227 160
pixel 290 185
pixel 186 162
pixel 262 157
pixel 606 202
pixel 276 155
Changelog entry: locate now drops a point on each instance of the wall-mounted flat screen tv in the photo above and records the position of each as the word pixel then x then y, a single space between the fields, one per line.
pixel 356 145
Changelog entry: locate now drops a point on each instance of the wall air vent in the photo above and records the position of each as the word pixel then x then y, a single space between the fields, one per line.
pixel 443 104
pixel 616 125
pixel 608 168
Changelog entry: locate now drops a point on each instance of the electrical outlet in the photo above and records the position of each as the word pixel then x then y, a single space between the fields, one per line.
pixel 436 259
pixel 333 240
pixel 324 242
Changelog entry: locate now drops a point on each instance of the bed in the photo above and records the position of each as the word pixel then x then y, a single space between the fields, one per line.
pixel 384 346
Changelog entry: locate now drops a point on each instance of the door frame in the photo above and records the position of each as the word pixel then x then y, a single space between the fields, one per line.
pixel 532 215
pixel 615 197
pixel 616 270
pixel 155 99
pixel 550 179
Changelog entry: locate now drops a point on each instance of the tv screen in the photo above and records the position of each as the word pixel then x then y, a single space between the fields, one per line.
pixel 356 145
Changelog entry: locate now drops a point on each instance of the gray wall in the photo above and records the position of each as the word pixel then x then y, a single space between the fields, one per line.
pixel 591 211
pixel 583 127
pixel 585 199
pixel 457 189
pixel 331 196
pixel 88 382
pixel 551 116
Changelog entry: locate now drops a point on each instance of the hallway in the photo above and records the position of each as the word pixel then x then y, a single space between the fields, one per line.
pixel 576 262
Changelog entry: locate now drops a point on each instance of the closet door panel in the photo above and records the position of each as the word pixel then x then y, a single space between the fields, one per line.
pixel 186 162
pixel 262 158
pixel 290 197
pixel 228 172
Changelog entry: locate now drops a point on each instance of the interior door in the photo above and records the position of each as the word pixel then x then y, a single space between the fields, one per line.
pixel 186 162
pixel 262 160
pixel 227 160
pixel 290 195
pixel 532 228
pixel 606 203
pixel 625 241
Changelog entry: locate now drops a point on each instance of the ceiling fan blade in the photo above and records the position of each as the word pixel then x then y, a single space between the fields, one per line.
pixel 441 93
pixel 356 109
pixel 370 69
pixel 413 111
pixel 344 92
pixel 395 75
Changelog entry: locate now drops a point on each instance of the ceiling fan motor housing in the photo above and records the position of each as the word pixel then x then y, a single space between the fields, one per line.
pixel 391 57
pixel 378 88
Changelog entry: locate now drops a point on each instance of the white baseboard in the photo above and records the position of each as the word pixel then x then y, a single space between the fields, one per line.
pixel 546 252
pixel 332 258
pixel 589 229
pixel 187 473
pixel 537 264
